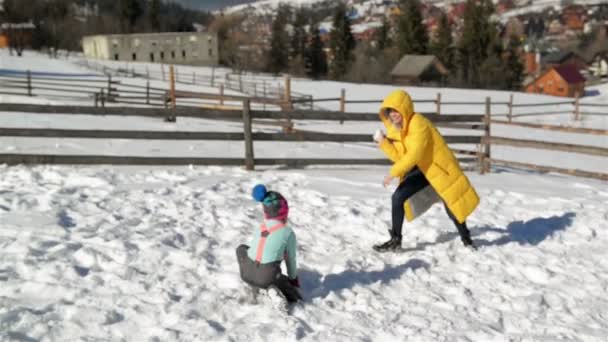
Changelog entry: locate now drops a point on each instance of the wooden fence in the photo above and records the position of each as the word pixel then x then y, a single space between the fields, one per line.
pixel 102 91
pixel 474 158
pixel 261 88
pixel 471 122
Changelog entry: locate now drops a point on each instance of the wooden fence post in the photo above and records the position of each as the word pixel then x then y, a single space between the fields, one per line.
pixel 221 94
pixel 147 92
pixel 438 103
pixel 212 75
pixel 249 162
pixel 103 98
pixel 109 85
pixel 510 106
pixel 288 104
pixel 342 102
pixel 29 83
pixel 264 93
pixel 577 108
pixel 171 117
pixel 487 135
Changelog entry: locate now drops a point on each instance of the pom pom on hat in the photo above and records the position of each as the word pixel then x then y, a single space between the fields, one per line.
pixel 259 192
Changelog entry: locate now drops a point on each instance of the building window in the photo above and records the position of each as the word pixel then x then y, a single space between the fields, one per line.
pixel 151 56
pixel 136 42
pixel 154 43
pixel 162 55
pixel 115 43
pixel 193 38
pixel 210 52
pixel 134 56
pixel 173 54
pixel 184 54
pixel 115 56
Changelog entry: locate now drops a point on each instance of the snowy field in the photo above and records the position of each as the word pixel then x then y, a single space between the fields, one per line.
pixel 147 253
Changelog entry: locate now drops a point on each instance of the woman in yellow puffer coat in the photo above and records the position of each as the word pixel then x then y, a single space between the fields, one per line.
pixel 427 170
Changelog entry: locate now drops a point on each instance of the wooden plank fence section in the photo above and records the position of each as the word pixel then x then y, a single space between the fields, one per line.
pixel 572 172
pixel 590 150
pixel 554 127
pixel 205 113
pixel 307 136
pixel 34 159
pixel 16 159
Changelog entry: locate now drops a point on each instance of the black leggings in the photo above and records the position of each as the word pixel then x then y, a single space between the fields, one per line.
pixel 415 181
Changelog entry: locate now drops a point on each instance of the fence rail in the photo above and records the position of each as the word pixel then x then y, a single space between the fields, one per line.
pixel 121 92
pixel 245 115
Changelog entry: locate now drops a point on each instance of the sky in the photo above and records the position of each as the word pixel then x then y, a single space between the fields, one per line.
pixel 110 253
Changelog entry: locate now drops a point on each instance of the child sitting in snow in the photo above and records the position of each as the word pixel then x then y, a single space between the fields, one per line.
pixel 260 261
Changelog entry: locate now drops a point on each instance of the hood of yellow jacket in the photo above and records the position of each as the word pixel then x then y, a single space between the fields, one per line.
pixel 400 101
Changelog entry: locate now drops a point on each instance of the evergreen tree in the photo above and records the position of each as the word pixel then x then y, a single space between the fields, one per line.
pixel 341 43
pixel 515 67
pixel 478 40
pixel 316 58
pixel 412 37
pixel 442 46
pixel 278 58
pixel 298 39
pixel 130 11
pixel 383 39
pixel 154 15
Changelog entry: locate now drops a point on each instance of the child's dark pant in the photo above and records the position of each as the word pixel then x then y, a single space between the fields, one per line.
pixel 264 275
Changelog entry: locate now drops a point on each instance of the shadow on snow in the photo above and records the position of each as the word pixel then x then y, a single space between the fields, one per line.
pixel 320 286
pixel 531 232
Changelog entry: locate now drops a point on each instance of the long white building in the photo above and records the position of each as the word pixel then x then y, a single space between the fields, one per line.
pixel 192 48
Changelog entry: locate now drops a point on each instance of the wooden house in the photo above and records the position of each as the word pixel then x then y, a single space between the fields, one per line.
pixel 562 80
pixel 574 17
pixel 419 70
pixel 562 58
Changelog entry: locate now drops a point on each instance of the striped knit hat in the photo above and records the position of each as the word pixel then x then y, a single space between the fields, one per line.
pixel 275 205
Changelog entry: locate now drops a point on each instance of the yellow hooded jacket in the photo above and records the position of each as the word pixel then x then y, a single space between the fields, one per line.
pixel 418 143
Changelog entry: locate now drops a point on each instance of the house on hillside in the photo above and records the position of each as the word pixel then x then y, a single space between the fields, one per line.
pixel 17 35
pixel 192 48
pixel 419 70
pixel 564 57
pixel 599 64
pixel 562 80
pixel 574 17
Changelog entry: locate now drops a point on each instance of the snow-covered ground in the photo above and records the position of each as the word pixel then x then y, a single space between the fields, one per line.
pixel 110 253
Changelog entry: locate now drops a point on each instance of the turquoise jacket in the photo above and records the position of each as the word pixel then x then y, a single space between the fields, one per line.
pixel 280 245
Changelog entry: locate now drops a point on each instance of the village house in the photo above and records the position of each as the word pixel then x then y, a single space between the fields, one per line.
pixel 192 48
pixel 598 66
pixel 424 70
pixel 16 34
pixel 562 80
pixel 574 17
pixel 562 58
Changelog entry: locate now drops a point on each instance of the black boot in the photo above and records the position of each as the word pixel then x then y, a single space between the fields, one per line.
pixel 393 244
